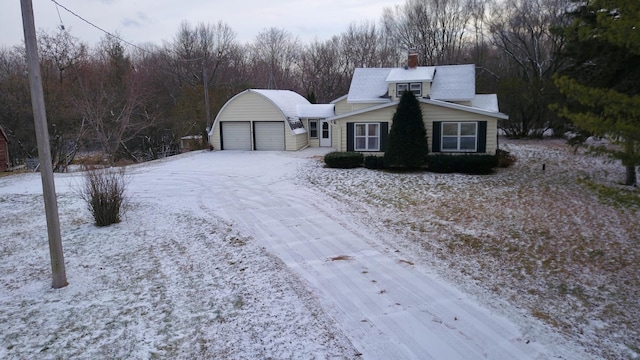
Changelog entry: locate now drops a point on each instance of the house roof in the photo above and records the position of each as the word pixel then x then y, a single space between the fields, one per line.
pixel 448 82
pixel 487 102
pixel 474 110
pixel 369 85
pixel 287 101
pixel 454 83
pixel 449 105
pixel 316 110
pixel 418 74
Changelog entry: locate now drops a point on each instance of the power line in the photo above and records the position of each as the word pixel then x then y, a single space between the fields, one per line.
pixel 98 27
pixel 59 17
pixel 112 35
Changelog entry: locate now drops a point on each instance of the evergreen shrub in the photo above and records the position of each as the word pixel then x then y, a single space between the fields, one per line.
pixel 343 159
pixel 407 147
pixel 464 164
pixel 374 162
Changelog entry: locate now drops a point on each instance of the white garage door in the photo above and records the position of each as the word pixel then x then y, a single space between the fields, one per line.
pixel 236 135
pixel 269 135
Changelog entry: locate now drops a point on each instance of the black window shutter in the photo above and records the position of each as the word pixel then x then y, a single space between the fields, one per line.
pixel 435 141
pixel 482 136
pixel 384 135
pixel 350 137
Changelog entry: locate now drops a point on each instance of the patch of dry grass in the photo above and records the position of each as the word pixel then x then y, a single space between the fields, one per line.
pixel 340 258
pixel 563 243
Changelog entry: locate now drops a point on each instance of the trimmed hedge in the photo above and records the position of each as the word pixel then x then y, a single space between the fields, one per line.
pixel 464 164
pixel 374 162
pixel 343 160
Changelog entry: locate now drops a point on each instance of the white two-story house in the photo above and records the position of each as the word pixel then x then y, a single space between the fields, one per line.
pixel 456 118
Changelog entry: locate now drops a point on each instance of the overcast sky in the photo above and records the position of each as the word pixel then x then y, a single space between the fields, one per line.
pixel 152 21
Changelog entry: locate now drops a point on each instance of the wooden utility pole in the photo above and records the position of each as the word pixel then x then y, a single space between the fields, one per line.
pixel 205 84
pixel 44 150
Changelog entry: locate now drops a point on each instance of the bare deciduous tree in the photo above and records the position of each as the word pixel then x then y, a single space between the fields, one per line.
pixel 114 100
pixel 434 28
pixel 60 54
pixel 323 70
pixel 523 31
pixel 275 55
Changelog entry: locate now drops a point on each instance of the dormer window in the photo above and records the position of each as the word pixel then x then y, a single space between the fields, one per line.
pixel 401 88
pixel 415 88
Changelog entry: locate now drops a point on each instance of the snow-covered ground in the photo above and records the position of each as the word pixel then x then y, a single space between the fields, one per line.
pixel 269 255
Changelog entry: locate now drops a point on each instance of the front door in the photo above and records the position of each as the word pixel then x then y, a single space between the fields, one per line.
pixel 325 133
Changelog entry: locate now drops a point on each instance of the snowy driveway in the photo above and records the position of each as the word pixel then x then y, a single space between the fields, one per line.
pixel 387 306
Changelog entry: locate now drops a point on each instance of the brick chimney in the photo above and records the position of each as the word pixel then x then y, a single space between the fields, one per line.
pixel 412 61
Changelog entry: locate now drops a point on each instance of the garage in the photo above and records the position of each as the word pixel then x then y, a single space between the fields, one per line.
pixel 260 119
pixel 236 135
pixel 269 136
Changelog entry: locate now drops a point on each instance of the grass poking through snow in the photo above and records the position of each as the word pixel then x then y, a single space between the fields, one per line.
pixel 561 243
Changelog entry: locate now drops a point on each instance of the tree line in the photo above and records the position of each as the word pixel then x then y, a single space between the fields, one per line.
pixel 135 103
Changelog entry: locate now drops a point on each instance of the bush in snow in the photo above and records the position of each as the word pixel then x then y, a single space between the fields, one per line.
pixel 343 160
pixel 374 162
pixel 103 192
pixel 465 164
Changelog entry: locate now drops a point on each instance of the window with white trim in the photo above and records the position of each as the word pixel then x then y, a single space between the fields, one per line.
pixel 415 88
pixel 401 88
pixel 367 137
pixel 313 129
pixel 459 136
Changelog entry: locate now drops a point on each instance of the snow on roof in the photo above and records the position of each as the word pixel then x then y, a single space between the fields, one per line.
pixel 449 82
pixel 316 110
pixel 454 83
pixel 470 109
pixel 286 100
pixel 419 74
pixel 487 102
pixel 369 85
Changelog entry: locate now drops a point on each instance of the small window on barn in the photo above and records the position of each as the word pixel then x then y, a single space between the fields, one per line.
pixel 313 129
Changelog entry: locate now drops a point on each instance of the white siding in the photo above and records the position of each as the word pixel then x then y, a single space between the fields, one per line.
pixel 339 140
pixel 433 113
pixel 430 114
pixel 296 142
pixel 311 142
pixel 342 107
pixel 359 106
